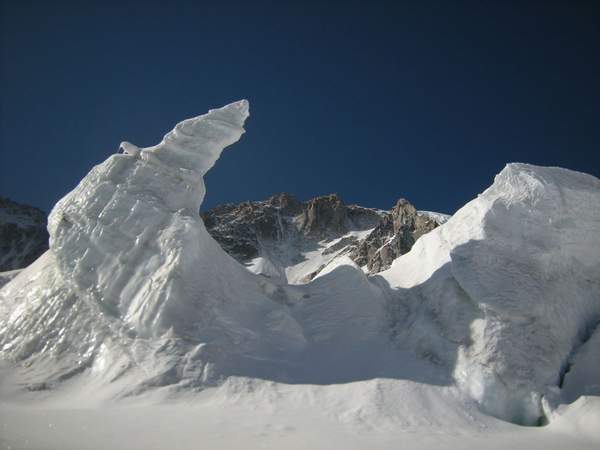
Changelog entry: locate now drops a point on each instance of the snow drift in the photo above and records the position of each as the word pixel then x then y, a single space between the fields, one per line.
pixel 134 293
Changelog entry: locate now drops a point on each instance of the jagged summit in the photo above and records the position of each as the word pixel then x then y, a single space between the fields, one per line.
pixel 125 247
pixel 294 240
pixel 287 203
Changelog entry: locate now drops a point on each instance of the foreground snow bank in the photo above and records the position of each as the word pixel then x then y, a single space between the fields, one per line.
pixel 509 284
pixel 254 414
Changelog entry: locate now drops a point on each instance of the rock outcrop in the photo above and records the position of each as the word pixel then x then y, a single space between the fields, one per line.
pixel 323 216
pixel 283 225
pixel 394 236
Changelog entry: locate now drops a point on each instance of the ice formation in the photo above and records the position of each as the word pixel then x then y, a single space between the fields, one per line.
pixel 134 293
pixel 129 237
pixel 132 281
pixel 508 287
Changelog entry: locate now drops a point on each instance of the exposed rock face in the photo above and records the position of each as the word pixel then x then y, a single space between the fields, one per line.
pixel 287 204
pixel 240 228
pixel 284 225
pixel 23 235
pixel 323 216
pixel 394 236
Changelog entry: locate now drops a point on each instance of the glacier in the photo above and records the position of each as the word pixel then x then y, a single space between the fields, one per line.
pixel 491 314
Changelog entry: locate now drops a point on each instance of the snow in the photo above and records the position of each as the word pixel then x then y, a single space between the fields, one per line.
pixel 258 414
pixel 291 260
pixel 136 330
pixel 314 260
pixel 583 369
pixel 133 286
pixel 509 283
pixel 438 217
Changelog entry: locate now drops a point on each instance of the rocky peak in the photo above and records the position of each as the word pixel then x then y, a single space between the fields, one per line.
pixel 282 226
pixel 393 236
pixel 403 213
pixel 286 203
pixel 324 215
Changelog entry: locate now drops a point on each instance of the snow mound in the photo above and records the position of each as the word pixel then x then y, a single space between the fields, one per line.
pixel 506 290
pixel 440 218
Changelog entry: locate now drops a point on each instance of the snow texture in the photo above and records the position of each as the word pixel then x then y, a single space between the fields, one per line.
pixel 495 309
pixel 507 288
pixel 438 217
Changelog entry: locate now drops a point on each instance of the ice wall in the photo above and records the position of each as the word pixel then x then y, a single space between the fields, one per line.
pixel 129 236
pixel 507 287
pixel 133 285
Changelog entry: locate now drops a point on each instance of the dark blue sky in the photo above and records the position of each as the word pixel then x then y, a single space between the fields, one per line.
pixel 373 100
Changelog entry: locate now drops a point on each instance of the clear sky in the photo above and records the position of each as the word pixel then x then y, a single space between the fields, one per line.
pixel 372 100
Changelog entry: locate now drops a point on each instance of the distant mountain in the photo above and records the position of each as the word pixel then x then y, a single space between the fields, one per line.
pixel 23 234
pixel 293 241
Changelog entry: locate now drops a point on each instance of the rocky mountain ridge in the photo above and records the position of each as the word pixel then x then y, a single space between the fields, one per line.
pixel 286 231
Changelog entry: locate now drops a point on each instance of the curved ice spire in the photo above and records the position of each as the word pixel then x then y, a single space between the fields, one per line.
pixel 133 283
pixel 129 233
pixel 196 143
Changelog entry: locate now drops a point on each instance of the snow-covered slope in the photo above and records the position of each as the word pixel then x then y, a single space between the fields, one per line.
pixel 288 240
pixel 438 217
pixel 495 309
pixel 257 414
